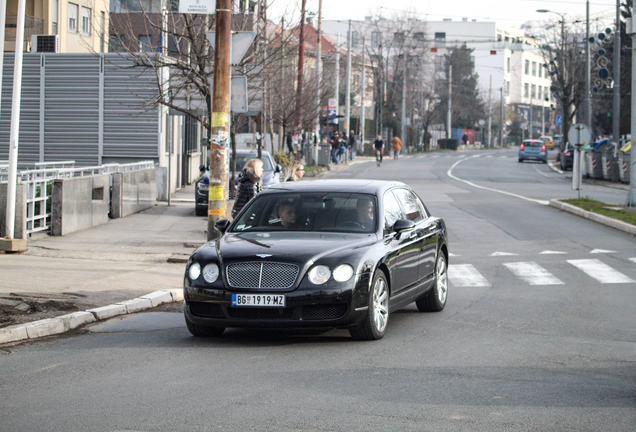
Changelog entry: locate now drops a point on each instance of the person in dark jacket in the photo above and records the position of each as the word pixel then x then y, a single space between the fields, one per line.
pixel 249 181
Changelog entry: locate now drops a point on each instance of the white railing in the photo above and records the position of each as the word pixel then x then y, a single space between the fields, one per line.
pixel 39 184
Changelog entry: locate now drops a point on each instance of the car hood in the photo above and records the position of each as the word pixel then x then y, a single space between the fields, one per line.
pixel 296 247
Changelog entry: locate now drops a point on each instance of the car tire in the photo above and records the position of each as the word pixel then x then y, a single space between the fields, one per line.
pixel 435 300
pixel 520 160
pixel 375 323
pixel 201 211
pixel 203 331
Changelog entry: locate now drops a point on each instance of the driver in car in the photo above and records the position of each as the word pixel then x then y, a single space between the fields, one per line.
pixel 366 213
pixel 288 215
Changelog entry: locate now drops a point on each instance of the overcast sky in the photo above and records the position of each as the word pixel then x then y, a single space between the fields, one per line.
pixel 511 12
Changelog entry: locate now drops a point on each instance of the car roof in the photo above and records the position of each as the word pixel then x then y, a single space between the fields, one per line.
pixel 375 187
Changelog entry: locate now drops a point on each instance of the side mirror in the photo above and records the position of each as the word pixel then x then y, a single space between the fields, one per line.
pixel 403 225
pixel 222 225
pixel 278 168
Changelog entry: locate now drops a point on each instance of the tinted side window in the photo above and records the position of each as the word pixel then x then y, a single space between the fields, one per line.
pixel 410 204
pixel 392 211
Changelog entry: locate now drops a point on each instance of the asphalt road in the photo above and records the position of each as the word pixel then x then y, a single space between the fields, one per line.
pixel 538 335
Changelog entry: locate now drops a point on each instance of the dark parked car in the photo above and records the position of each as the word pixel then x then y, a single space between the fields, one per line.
pixel 566 158
pixel 271 176
pixel 324 254
pixel 533 150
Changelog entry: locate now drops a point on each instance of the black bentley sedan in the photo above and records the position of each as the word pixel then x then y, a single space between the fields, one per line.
pixel 322 254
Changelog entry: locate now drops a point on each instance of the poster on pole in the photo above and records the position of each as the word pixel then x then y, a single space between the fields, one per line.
pixel 202 7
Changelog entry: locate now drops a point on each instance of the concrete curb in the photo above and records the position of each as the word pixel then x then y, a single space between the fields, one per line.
pixel 65 323
pixel 612 223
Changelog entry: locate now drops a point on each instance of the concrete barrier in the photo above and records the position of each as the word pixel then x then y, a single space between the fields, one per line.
pixel 133 192
pixel 79 203
pixel 19 230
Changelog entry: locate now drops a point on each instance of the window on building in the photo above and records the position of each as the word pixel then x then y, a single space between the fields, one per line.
pixel 439 63
pixel 54 6
pixel 116 43
pixel 508 87
pixel 145 43
pixel 533 93
pixel 399 38
pixel 87 13
pixel 419 36
pixel 547 94
pixel 376 39
pixel 534 68
pixel 539 90
pixel 498 37
pixel 526 90
pixel 73 10
pixel 508 64
pixel 440 39
pixel 174 48
pixel 354 39
pixel 527 68
pixel 506 39
pixel 540 70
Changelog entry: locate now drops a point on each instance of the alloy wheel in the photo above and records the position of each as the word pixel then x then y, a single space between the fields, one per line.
pixel 442 279
pixel 380 305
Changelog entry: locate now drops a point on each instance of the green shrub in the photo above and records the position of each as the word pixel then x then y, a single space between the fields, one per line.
pixel 282 159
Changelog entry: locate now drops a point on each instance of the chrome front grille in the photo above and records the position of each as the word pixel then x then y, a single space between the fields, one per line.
pixel 267 275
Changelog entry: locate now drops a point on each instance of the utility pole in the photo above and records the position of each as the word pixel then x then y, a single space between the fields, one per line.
pixel 502 119
pixel 318 72
pixel 301 62
pixel 588 103
pixel 450 96
pixel 337 77
pixel 15 125
pixel 3 23
pixel 403 129
pixel 220 121
pixel 281 130
pixel 490 113
pixel 630 201
pixel 263 140
pixel 616 115
pixel 347 125
pixel 363 116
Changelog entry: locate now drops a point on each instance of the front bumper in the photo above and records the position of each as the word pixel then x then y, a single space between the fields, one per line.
pixel 306 307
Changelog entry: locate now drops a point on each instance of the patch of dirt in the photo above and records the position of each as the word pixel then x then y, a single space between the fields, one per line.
pixel 18 309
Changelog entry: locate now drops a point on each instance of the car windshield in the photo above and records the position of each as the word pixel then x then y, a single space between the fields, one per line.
pixel 314 211
pixel 242 158
pixel 533 143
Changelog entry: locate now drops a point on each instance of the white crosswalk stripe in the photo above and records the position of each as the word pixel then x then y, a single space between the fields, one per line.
pixel 466 275
pixel 633 260
pixel 532 273
pixel 600 271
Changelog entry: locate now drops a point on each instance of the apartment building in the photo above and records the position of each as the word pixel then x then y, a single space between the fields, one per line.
pixel 76 26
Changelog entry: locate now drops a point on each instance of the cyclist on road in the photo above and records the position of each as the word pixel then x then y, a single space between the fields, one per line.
pixel 378 144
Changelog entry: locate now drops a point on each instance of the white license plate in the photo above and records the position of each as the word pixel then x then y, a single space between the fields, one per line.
pixel 259 300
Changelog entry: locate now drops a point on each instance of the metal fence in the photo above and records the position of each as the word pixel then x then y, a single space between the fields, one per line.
pixel 39 184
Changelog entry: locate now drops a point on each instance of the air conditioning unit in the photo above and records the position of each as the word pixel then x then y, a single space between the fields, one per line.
pixel 45 43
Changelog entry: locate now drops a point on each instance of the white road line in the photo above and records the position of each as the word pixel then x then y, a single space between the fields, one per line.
pixel 450 174
pixel 633 260
pixel 549 252
pixel 533 273
pixel 543 174
pixel 600 271
pixel 466 275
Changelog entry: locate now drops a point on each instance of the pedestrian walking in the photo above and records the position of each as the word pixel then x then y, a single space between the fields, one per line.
pixel 335 147
pixel 378 145
pixel 397 146
pixel 297 171
pixel 352 144
pixel 250 181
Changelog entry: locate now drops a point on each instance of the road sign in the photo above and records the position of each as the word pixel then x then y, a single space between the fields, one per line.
pixel 238 90
pixel 241 41
pixel 202 7
pixel 579 134
pixel 332 114
pixel 559 120
pixel 482 122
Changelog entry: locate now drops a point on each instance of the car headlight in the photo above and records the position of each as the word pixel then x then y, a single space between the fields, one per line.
pixel 203 186
pixel 194 271
pixel 343 273
pixel 211 272
pixel 319 274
